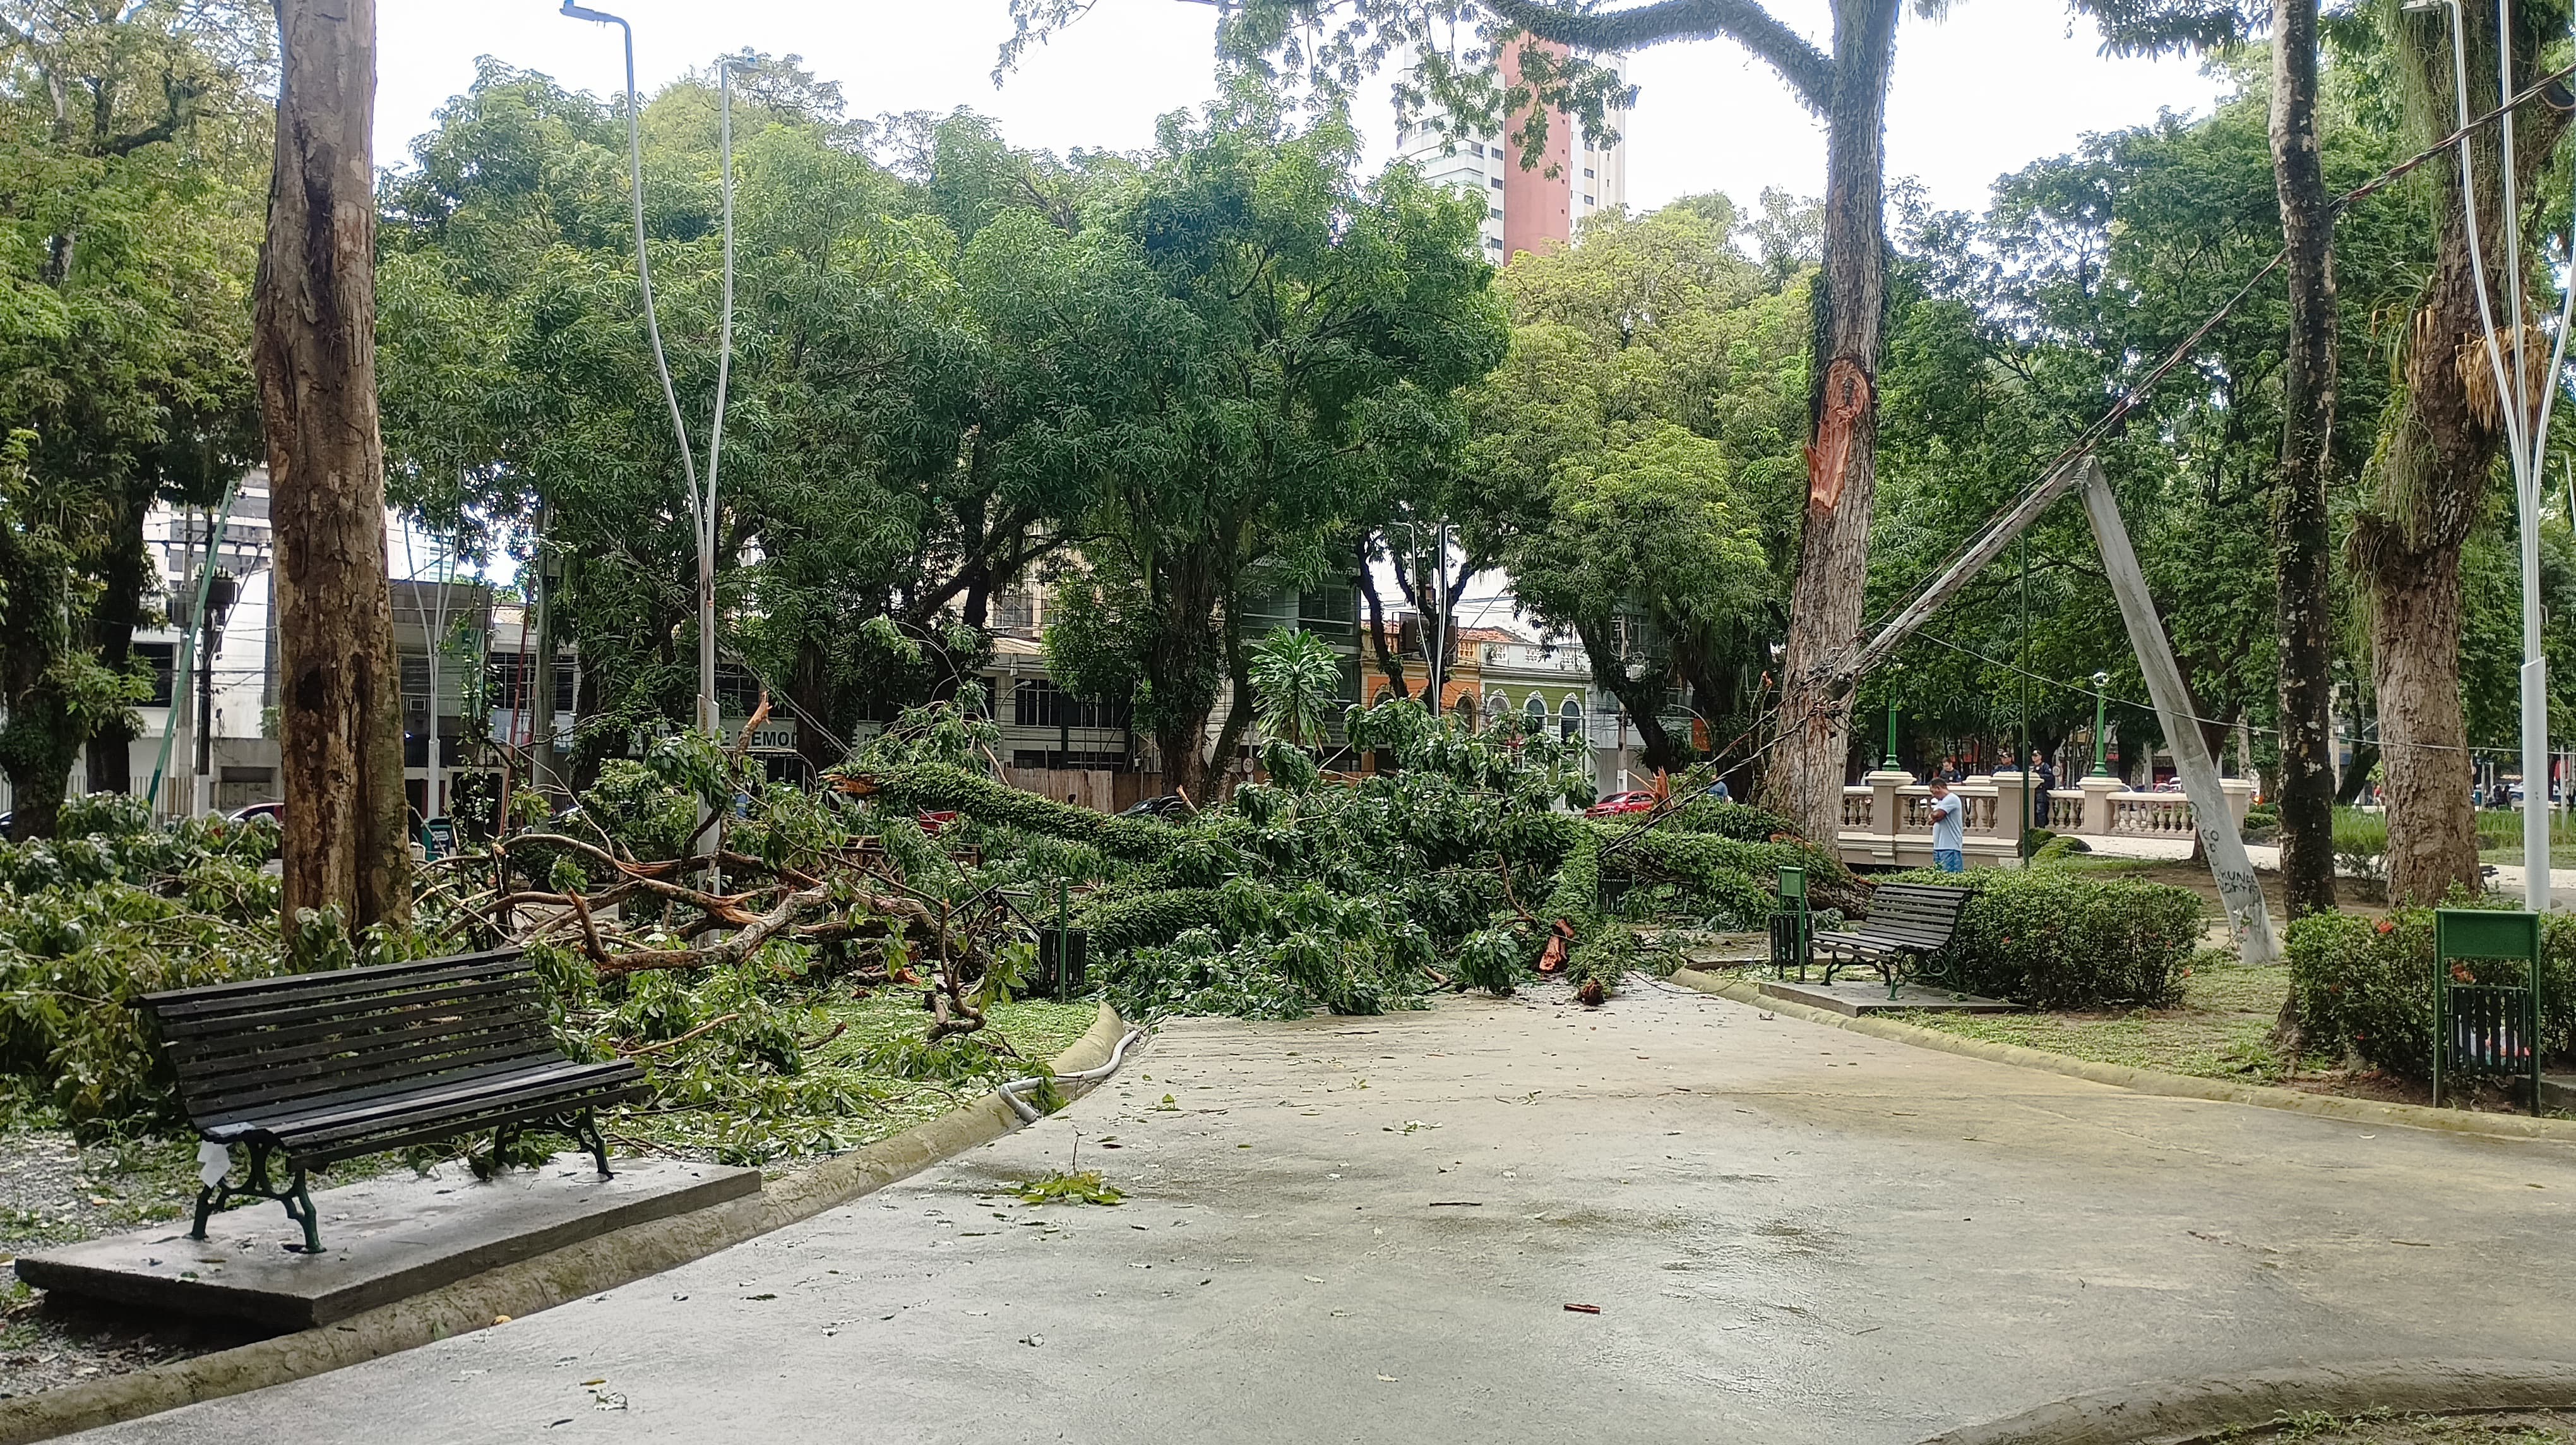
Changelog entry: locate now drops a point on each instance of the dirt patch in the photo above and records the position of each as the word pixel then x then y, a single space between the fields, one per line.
pixel 2505 1427
pixel 54 1190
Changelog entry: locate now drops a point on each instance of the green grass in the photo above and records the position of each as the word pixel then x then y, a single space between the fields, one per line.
pixel 2218 1033
pixel 2500 837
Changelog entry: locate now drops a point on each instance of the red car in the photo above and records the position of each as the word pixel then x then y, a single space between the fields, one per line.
pixel 1632 801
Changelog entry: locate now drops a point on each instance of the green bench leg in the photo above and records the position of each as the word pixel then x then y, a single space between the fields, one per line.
pixel 296 1198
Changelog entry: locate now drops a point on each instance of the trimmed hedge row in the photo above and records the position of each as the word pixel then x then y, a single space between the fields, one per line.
pixel 2365 986
pixel 2055 938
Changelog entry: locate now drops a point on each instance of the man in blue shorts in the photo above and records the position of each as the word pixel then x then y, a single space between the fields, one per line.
pixel 1949 829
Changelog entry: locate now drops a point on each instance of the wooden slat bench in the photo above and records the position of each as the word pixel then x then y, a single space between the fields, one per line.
pixel 1907 922
pixel 313 1068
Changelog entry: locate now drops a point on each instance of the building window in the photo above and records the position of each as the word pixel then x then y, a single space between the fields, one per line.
pixel 1038 702
pixel 1475 149
pixel 1587 200
pixel 1569 720
pixel 1493 243
pixel 1587 173
pixel 1497 704
pixel 163 658
pixel 1494 213
pixel 1495 181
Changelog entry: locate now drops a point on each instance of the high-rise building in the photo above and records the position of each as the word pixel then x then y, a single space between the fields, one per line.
pixel 1527 209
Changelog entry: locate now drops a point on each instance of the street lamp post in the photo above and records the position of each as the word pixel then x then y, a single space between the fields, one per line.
pixel 701 502
pixel 1887 760
pixel 2101 680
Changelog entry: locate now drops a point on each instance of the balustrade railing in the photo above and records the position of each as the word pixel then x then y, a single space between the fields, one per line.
pixel 1891 815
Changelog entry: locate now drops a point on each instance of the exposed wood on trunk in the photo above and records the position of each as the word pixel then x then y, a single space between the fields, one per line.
pixel 1805 779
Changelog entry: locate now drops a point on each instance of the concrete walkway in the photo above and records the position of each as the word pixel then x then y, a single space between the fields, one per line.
pixel 1369 1229
pixel 2507 878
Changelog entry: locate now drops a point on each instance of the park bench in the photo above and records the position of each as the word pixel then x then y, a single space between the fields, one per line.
pixel 1907 923
pixel 313 1068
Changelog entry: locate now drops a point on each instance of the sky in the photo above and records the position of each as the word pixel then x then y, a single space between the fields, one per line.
pixel 1996 85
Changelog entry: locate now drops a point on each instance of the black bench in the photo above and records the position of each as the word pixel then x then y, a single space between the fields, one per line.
pixel 313 1068
pixel 1908 922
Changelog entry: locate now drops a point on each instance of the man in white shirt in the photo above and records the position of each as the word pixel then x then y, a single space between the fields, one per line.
pixel 1949 829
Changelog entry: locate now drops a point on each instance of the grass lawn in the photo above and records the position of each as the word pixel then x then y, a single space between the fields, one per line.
pixel 2218 1032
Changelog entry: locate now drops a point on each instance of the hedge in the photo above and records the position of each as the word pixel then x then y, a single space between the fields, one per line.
pixel 2054 938
pixel 2365 986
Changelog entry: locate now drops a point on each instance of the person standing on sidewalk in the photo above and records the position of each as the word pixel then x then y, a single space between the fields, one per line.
pixel 1949 829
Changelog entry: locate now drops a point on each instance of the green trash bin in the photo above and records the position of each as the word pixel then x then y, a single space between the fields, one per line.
pixel 2483 1028
pixel 1793 928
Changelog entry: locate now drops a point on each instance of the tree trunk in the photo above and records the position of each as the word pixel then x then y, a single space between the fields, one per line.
pixel 2301 530
pixel 120 606
pixel 2435 470
pixel 314 345
pixel 36 799
pixel 2415 668
pixel 1805 780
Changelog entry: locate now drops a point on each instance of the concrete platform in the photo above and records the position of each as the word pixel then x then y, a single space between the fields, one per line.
pixel 383 1240
pixel 1857 996
pixel 2558 1093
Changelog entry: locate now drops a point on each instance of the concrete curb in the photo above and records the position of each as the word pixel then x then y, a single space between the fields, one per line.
pixel 567 1274
pixel 2179 1412
pixel 2148 1081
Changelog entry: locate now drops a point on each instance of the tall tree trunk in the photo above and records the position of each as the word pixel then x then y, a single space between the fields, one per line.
pixel 2415 668
pixel 2435 471
pixel 1805 780
pixel 2301 533
pixel 314 346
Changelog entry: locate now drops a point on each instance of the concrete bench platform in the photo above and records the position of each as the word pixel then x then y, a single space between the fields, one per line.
pixel 392 1238
pixel 1856 998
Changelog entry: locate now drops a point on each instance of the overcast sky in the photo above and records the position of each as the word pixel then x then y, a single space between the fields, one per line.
pixel 1996 85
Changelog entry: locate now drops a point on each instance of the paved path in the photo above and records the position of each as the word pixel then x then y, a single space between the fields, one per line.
pixel 1368 1229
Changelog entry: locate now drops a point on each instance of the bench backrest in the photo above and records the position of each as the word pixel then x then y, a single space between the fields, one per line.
pixel 1924 914
pixel 239 1046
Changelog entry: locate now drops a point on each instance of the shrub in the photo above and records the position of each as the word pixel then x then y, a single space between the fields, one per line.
pixel 2365 986
pixel 2361 846
pixel 2054 938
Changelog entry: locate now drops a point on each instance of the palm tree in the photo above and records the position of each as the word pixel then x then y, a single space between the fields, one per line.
pixel 1295 676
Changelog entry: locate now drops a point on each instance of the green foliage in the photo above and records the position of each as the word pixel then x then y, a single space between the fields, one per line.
pixel 2365 986
pixel 1493 959
pixel 91 922
pixel 1058 1187
pixel 1278 954
pixel 2361 844
pixel 2054 938
pixel 134 150
pixel 1576 898
pixel 1297 677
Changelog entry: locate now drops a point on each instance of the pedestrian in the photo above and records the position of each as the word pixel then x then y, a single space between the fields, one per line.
pixel 1718 790
pixel 1949 829
pixel 2039 798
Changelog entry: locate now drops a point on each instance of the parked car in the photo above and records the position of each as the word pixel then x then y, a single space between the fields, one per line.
pixel 274 812
pixel 1633 801
pixel 1170 807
